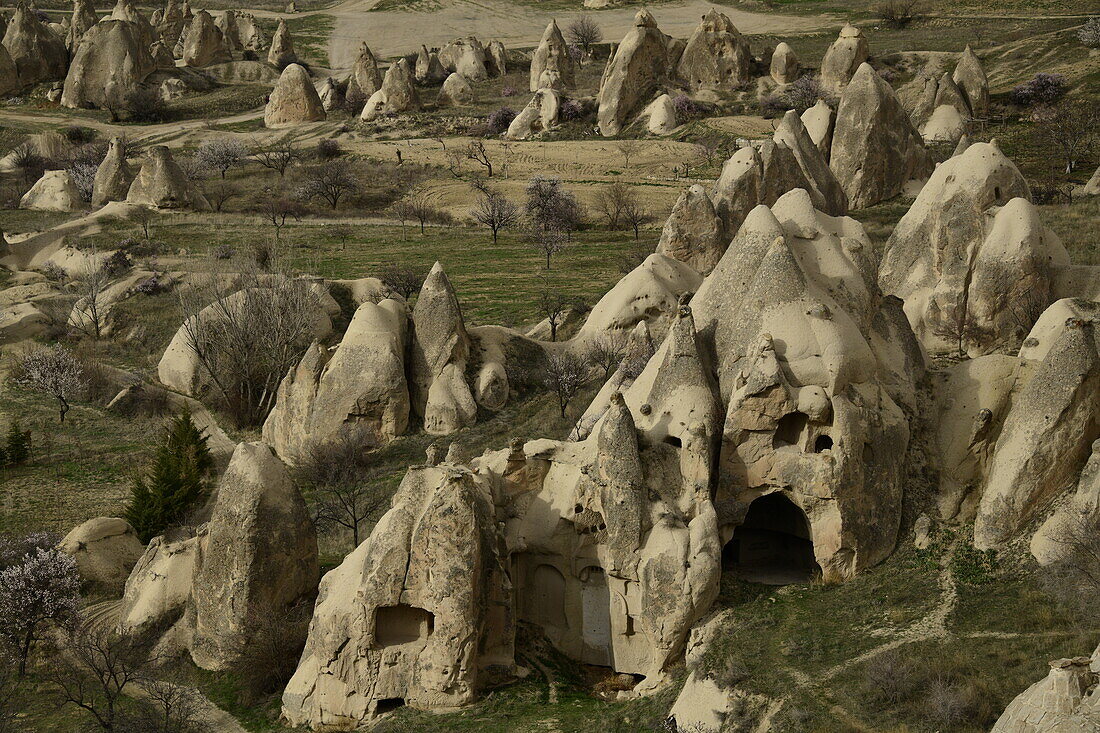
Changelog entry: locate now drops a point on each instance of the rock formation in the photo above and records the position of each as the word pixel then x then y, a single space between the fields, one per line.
pixel 359 389
pixel 1065 701
pixel 717 56
pixel 540 114
pixel 330 95
pixel 162 58
pixel 38 53
pixel 162 184
pixel 785 67
pixel 973 265
pixel 84 17
pixel 113 176
pixel 819 121
pixel 110 63
pixel 456 91
pixel 465 56
pixel 281 53
pixel 172 23
pixel 54 191
pixel 294 100
pixel 844 57
pixel 258 559
pixel 158 592
pixel 365 79
pixel 944 125
pixel 250 34
pixel 552 55
pixel 128 11
pixel 496 59
pixel 105 549
pixel 397 93
pixel 875 148
pixel 231 33
pixel 971 78
pixel 661 116
pixel 693 232
pixel 428 69
pixel 632 75
pixel 824 188
pixel 203 42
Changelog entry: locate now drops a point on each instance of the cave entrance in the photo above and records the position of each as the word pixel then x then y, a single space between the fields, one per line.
pixel 773 545
pixel 401 624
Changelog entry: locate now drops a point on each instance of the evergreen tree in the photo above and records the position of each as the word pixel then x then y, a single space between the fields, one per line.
pixel 175 482
pixel 19 444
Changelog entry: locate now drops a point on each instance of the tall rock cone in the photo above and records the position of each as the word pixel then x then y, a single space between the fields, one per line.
pixel 717 56
pixel 281 52
pixel 162 184
pixel 113 177
pixel 39 54
pixel 552 55
pixel 971 78
pixel 294 100
pixel 126 10
pixel 397 94
pixel 632 75
pixel 365 78
pixel 875 148
pixel 844 58
pixel 203 43
pixel 84 17
pixel 110 62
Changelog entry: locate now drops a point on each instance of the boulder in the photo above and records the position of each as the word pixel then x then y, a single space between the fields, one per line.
pixel 661 116
pixel 945 125
pixel 110 63
pixel 162 57
pixel 105 549
pixel 717 56
pixel 540 114
pixel 330 95
pixel 875 148
pixel 738 189
pixel 365 79
pixel 38 53
pixel 84 17
pixel 819 121
pixel 54 191
pixel 428 69
pixel 456 91
pixel 158 592
pixel 113 176
pixel 439 348
pixel 281 54
pixel 633 73
pixel 465 56
pixel 294 100
pixel 249 32
pixel 785 67
pixel 162 184
pixel 971 79
pixel 203 43
pixel 258 560
pixel 397 93
pixel 1092 188
pixel 949 94
pixel 357 390
pixel 693 232
pixel 849 51
pixel 552 55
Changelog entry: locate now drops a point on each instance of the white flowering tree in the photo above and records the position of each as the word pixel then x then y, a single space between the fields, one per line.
pixel 55 372
pixel 42 587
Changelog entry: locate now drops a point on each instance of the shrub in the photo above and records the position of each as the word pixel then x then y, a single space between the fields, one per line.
pixel 223 252
pixel 499 120
pixel 145 105
pixel 571 110
pixel 117 264
pixel 83 177
pixel 1089 35
pixel 897 13
pixel 327 149
pixel 151 285
pixel 687 108
pixel 175 482
pixel 78 135
pixel 1043 88
pixel 54 272
pixel 508 91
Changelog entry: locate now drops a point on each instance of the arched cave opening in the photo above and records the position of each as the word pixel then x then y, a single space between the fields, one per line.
pixel 773 545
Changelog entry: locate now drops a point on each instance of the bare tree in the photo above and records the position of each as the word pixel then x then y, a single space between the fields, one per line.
pixel 422 208
pixel 584 32
pixel 634 214
pixel 552 213
pixel 628 149
pixel 610 200
pixel 403 210
pixel 477 152
pixel 495 211
pixel 222 154
pixel 343 232
pixel 249 336
pixel 276 155
pixel 403 279
pixel 1071 129
pixel 565 374
pixel 88 312
pixel 1074 576
pixel 341 483
pixel 607 353
pixel 219 193
pixel 331 181
pixel 548 242
pixel 143 216
pixel 54 372
pixel 277 208
pixel 553 304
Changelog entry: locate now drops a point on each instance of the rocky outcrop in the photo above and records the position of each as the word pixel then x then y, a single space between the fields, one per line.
pixel 693 232
pixel 971 79
pixel 54 191
pixel 203 43
pixel 281 54
pixel 785 66
pixel 84 17
pixel 330 95
pixel 496 59
pixel 844 57
pixel 540 114
pixel 158 592
pixel 38 53
pixel 258 559
pixel 397 93
pixel 738 189
pixel 173 22
pixel 819 122
pixel 875 148
pixel 113 176
pixel 465 56
pixel 1067 700
pixel 231 34
pixel 162 58
pixel 456 91
pixel 439 348
pixel 128 11
pixel 357 390
pixel 632 75
pixel 661 116
pixel 428 70
pixel 717 56
pixel 551 60
pixel 294 100
pixel 824 188
pixel 105 549
pixel 944 125
pixel 973 266
pixel 365 79
pixel 9 75
pixel 162 184
pixel 110 63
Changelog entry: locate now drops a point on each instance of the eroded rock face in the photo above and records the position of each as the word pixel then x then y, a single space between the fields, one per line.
pixel 1064 701
pixel 105 549
pixel 294 100
pixel 203 43
pixel 552 55
pixel 824 188
pixel 437 359
pixel 54 191
pixel 945 125
pixel 465 56
pixel 496 59
pixel 819 121
pixel 397 93
pixel 415 613
pixel 281 52
pixel 83 18
pixel 172 23
pixel 785 66
pixel 717 56
pixel 128 11
pixel 428 69
pixel 162 184
pixel 9 75
pixel 633 73
pixel 330 95
pixel 258 558
pixel 231 33
pixel 38 53
pixel 359 387
pixel 540 114
pixel 158 592
pixel 965 249
pixel 971 78
pixel 365 79
pixel 693 232
pixel 875 148
pixel 844 57
pixel 110 62
pixel 661 116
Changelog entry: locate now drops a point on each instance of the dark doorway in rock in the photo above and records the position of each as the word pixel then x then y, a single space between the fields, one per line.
pixel 790 429
pixel 401 624
pixel 388 705
pixel 773 544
